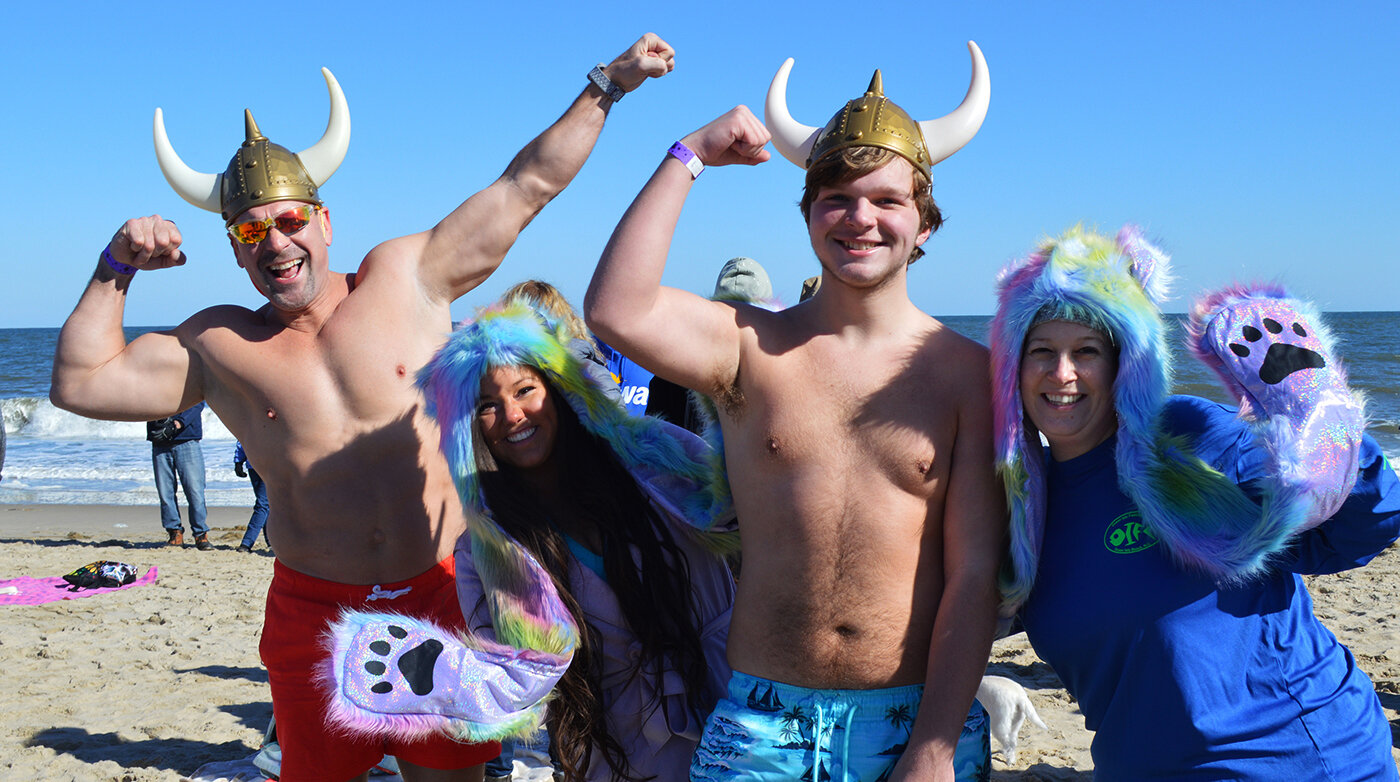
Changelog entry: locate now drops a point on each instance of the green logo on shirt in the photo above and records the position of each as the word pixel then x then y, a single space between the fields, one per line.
pixel 1128 535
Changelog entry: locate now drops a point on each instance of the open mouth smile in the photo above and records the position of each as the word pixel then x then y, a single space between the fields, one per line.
pixel 522 435
pixel 285 269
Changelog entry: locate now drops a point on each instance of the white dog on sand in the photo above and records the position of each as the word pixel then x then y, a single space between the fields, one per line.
pixel 1008 707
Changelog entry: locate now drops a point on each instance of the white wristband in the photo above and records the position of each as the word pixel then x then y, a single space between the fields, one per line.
pixel 692 161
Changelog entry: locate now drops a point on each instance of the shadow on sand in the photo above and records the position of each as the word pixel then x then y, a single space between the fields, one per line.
pixel 75 539
pixel 1042 772
pixel 179 755
pixel 253 715
pixel 1391 702
pixel 258 674
pixel 1037 675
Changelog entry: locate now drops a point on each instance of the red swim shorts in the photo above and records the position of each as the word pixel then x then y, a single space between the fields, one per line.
pixel 299 607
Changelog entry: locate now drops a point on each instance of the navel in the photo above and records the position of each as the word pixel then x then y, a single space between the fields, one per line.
pixel 377 537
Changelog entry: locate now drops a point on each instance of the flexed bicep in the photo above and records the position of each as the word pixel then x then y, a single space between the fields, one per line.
pixel 153 376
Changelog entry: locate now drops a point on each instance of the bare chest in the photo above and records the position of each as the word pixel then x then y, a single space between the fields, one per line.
pixel 342 381
pixel 860 423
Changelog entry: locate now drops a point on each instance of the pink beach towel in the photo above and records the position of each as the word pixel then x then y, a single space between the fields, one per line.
pixel 33 591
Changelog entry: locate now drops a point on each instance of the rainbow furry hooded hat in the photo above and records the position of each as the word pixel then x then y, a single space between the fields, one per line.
pixel 391 675
pixel 680 469
pixel 680 474
pixel 1115 285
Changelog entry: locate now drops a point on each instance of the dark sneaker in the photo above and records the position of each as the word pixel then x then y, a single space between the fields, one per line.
pixel 177 537
pixel 242 549
pixel 202 543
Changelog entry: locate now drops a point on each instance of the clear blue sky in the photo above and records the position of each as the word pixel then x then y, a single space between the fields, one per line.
pixel 1254 140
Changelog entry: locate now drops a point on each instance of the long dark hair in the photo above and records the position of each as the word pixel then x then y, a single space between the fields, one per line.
pixel 645 568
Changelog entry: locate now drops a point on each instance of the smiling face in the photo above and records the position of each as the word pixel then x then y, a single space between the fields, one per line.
pixel 1067 374
pixel 517 417
pixel 865 231
pixel 291 271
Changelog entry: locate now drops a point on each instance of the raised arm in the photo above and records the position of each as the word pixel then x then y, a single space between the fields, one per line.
pixel 974 534
pixel 460 252
pixel 96 373
pixel 680 336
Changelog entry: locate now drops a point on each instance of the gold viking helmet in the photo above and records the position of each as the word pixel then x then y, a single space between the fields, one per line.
pixel 873 120
pixel 261 172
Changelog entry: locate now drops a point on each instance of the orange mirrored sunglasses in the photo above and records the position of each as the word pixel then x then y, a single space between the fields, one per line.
pixel 288 222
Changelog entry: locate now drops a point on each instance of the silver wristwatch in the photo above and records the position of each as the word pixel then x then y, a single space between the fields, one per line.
pixel 605 84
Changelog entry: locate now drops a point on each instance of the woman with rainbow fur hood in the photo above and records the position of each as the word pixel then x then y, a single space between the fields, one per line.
pixel 1158 541
pixel 593 557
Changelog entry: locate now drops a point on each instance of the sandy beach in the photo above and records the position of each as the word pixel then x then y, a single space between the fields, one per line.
pixel 152 682
pixel 145 683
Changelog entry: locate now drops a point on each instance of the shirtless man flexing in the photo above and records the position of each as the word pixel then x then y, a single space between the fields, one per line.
pixel 318 385
pixel 857 435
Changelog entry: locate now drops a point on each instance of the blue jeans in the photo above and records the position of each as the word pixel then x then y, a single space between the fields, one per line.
pixel 259 517
pixel 504 762
pixel 502 765
pixel 185 460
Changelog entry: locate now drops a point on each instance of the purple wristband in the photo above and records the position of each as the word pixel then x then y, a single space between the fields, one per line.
pixel 116 265
pixel 691 161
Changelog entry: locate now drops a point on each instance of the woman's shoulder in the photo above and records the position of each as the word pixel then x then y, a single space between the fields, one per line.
pixel 1186 414
pixel 1217 435
pixel 1203 420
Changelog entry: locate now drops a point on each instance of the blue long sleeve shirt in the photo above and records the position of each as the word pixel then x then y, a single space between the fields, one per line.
pixel 1182 679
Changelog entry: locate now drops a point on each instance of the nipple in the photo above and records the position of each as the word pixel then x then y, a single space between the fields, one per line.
pixel 271 414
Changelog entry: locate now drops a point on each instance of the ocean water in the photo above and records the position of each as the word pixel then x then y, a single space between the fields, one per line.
pixel 57 457
pixel 1369 346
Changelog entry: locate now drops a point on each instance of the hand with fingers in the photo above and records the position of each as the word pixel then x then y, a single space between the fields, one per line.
pixel 648 58
pixel 146 243
pixel 735 138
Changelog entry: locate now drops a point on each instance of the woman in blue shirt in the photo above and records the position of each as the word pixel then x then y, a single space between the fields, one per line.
pixel 1158 542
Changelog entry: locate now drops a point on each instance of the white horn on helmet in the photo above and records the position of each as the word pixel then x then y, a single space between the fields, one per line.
pixel 792 139
pixel 949 133
pixel 198 188
pixel 325 156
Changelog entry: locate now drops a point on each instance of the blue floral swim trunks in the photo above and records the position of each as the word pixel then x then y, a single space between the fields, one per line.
pixel 766 731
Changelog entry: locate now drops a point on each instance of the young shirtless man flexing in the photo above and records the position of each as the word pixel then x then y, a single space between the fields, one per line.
pixel 318 385
pixel 857 435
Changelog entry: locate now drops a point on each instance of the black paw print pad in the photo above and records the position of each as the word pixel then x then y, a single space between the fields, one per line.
pixel 415 665
pixel 1281 359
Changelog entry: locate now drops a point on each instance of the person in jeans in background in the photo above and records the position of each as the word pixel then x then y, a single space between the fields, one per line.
pixel 258 520
pixel 177 457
